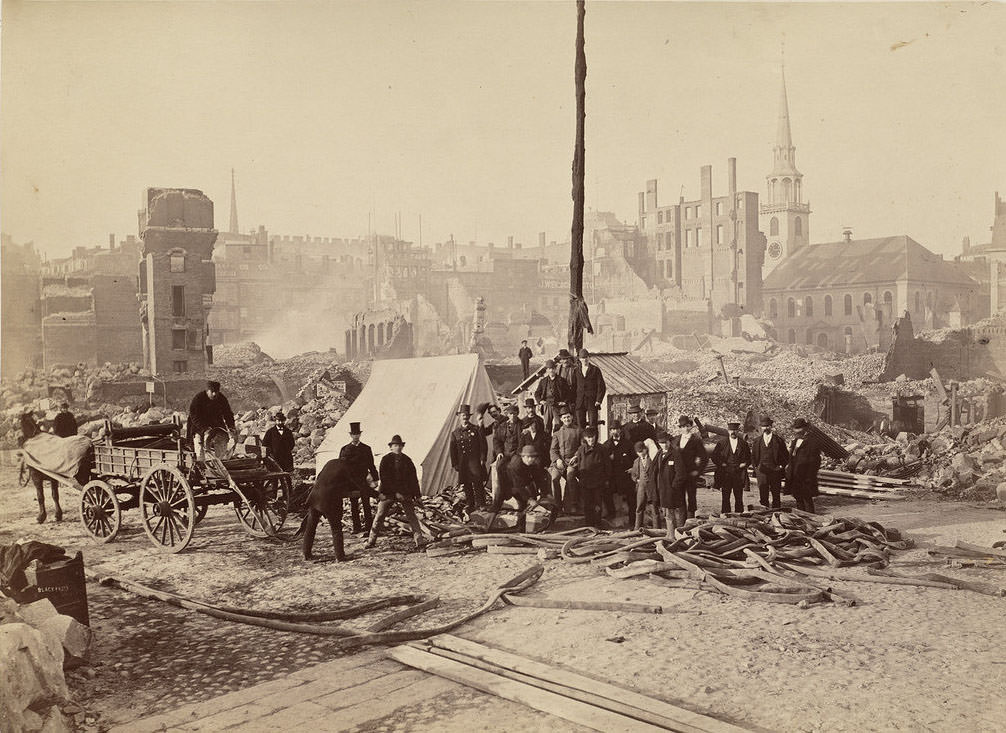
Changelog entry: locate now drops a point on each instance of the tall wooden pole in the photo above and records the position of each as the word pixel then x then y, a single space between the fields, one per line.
pixel 578 319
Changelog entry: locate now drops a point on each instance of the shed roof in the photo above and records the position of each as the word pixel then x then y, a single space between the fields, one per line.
pixel 623 375
pixel 864 262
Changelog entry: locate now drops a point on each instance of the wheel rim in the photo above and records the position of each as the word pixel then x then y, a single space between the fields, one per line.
pixel 168 508
pixel 99 511
pixel 267 507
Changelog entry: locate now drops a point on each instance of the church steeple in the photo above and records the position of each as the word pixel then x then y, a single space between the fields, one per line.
pixel 234 207
pixel 784 152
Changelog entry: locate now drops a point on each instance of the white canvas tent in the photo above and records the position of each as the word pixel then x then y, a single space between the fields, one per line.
pixel 417 399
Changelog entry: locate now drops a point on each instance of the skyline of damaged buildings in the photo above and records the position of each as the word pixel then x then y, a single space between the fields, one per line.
pixel 687 266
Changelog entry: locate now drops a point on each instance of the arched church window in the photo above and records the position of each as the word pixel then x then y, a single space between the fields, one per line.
pixel 867 298
pixel 888 298
pixel 822 340
pixel 827 305
pixel 796 190
pixel 808 306
pixel 786 189
pixel 848 305
pixel 773 226
pixel 791 308
pixel 773 309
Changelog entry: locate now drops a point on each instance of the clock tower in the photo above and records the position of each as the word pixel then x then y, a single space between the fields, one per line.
pixel 784 217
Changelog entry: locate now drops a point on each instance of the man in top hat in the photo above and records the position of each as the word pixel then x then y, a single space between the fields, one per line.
pixel 638 429
pixel 690 458
pixel 593 472
pixel 565 443
pixel 622 456
pixel 769 458
pixel 805 462
pixel 524 481
pixel 506 435
pixel 525 358
pixel 468 458
pixel 208 410
pixel 399 482
pixel 531 416
pixel 732 456
pixel 65 424
pixel 550 393
pixel 278 442
pixel 589 389
pixel 360 458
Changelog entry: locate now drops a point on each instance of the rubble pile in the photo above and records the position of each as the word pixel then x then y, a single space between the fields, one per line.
pixel 243 354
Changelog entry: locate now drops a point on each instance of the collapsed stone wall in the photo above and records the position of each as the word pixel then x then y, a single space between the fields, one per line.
pixel 960 354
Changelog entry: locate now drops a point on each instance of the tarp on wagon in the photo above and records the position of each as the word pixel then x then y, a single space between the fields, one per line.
pixel 58 458
pixel 417 399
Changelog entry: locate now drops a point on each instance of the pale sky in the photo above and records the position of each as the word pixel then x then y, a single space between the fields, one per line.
pixel 463 113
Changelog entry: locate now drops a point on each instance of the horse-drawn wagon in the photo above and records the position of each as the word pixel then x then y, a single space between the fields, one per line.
pixel 153 469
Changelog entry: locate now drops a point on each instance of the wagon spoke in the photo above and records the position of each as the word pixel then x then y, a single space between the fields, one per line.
pixel 172 529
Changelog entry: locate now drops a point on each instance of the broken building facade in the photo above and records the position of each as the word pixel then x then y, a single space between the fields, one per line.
pixel 21 324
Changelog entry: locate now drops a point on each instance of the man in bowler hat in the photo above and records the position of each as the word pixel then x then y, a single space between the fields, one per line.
pixel 589 390
pixel 278 443
pixel 399 482
pixel 804 463
pixel 769 457
pixel 732 456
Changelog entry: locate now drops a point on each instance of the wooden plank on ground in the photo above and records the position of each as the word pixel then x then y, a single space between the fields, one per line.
pixel 580 713
pixel 860 494
pixel 687 720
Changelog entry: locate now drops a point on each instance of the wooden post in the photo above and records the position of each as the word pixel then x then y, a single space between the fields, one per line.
pixel 578 318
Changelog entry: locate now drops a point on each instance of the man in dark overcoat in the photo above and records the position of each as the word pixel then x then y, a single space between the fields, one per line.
pixel 335 482
pixel 278 443
pixel 525 358
pixel 360 458
pixel 524 480
pixel 209 409
pixel 622 456
pixel 638 429
pixel 506 435
pixel 769 458
pixel 64 424
pixel 593 472
pixel 690 459
pixel 399 482
pixel 804 463
pixel 531 416
pixel 550 393
pixel 589 390
pixel 534 434
pixel 732 456
pixel 562 452
pixel 468 458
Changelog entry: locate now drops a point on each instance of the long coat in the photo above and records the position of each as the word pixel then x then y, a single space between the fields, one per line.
pixel 468 453
pixel 398 476
pixel 589 388
pixel 769 461
pixel 622 457
pixel 551 391
pixel 593 467
pixel 506 438
pixel 729 472
pixel 638 432
pixel 666 470
pixel 206 413
pixel 801 472
pixel 335 482
pixel 279 446
pixel 360 458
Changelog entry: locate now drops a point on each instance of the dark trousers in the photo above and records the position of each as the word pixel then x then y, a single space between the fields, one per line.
pixel 591 497
pixel 806 503
pixel 474 487
pixel 586 417
pixel 608 500
pixel 731 482
pixel 355 500
pixel 38 479
pixel 334 518
pixel 691 498
pixel 526 366
pixel 769 483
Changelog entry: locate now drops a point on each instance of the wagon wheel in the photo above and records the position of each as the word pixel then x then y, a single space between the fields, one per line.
pixel 99 511
pixel 167 508
pixel 267 506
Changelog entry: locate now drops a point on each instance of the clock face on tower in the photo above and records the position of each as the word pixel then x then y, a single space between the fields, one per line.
pixel 775 250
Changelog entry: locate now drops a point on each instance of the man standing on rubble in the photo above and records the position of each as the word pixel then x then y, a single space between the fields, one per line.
pixel 565 443
pixel 278 443
pixel 769 457
pixel 732 457
pixel 468 458
pixel 525 358
pixel 589 389
pixel 208 410
pixel 805 462
pixel 65 424
pixel 360 458
pixel 550 393
pixel 399 482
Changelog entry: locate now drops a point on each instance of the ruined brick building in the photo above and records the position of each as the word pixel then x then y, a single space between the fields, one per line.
pixel 986 262
pixel 21 324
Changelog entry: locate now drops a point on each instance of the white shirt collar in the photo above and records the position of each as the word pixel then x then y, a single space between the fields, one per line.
pixel 733 442
pixel 767 437
pixel 799 442
pixel 684 439
pixel 583 369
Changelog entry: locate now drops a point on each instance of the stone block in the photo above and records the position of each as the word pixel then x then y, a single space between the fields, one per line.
pixel 72 635
pixel 1001 492
pixel 32 678
pixel 37 612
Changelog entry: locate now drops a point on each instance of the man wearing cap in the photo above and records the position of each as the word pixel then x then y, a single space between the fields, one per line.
pixel 565 443
pixel 593 471
pixel 805 462
pixel 468 458
pixel 360 458
pixel 732 456
pixel 64 424
pixel 523 480
pixel 506 435
pixel 531 416
pixel 769 457
pixel 333 484
pixel 525 358
pixel 621 456
pixel 638 430
pixel 399 482
pixel 589 388
pixel 550 392
pixel 690 459
pixel 278 443
pixel 209 409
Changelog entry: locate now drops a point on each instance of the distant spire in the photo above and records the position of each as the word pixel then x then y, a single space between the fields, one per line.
pixel 234 207
pixel 784 153
pixel 784 139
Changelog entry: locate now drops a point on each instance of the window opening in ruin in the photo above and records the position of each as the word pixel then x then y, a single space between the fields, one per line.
pixel 178 300
pixel 773 226
pixel 719 234
pixel 719 208
pixel 822 340
pixel 180 366
pixel 178 339
pixel 177 262
pixel 698 236
pixel 867 299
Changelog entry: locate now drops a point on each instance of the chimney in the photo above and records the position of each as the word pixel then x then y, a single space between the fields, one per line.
pixel 706 176
pixel 966 246
pixel 732 175
pixel 111 241
pixel 847 233
pixel 541 239
pixel 651 195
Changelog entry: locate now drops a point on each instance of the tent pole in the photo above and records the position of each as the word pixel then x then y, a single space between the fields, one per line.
pixel 578 316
